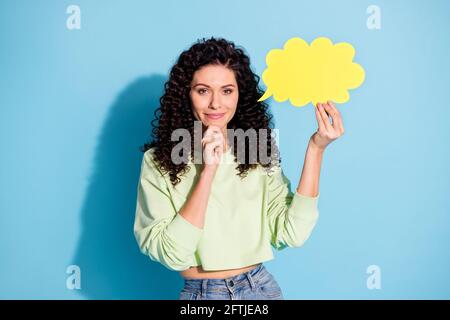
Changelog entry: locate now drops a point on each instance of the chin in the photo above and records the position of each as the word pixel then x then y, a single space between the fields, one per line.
pixel 219 122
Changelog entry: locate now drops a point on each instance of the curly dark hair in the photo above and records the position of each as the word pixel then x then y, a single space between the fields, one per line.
pixel 175 111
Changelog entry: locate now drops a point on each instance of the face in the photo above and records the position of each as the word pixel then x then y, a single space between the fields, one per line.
pixel 214 95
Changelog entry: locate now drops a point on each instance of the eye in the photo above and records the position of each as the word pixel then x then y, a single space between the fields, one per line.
pixel 228 90
pixel 201 91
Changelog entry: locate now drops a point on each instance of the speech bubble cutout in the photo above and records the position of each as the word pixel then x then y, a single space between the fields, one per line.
pixel 312 73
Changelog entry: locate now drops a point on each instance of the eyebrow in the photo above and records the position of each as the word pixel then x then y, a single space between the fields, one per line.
pixel 202 84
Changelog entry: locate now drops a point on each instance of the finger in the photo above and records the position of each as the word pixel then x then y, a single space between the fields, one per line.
pixel 218 135
pixel 218 151
pixel 212 129
pixel 210 147
pixel 319 118
pixel 213 144
pixel 335 115
pixel 330 112
pixel 213 137
pixel 207 139
pixel 325 118
pixel 212 133
pixel 340 125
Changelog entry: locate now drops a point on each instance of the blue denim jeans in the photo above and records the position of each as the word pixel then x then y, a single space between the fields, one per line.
pixel 256 284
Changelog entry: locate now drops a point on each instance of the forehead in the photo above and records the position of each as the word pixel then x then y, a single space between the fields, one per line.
pixel 214 75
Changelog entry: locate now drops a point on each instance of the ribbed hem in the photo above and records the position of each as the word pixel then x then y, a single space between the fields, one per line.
pixel 236 262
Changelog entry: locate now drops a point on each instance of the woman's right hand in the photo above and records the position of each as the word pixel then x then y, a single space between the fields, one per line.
pixel 212 144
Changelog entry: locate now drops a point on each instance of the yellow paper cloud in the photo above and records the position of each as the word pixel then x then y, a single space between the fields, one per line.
pixel 312 73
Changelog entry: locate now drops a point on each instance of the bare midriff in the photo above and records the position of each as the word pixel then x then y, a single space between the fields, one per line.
pixel 199 273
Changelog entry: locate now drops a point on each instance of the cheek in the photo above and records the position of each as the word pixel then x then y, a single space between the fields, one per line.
pixel 232 105
pixel 194 112
pixel 200 103
pixel 197 106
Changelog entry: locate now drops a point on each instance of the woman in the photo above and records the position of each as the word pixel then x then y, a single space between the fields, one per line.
pixel 216 220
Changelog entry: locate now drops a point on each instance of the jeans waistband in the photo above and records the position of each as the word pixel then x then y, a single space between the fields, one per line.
pixel 234 282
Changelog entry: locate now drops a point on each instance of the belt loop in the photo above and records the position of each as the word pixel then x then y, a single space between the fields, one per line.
pixel 204 288
pixel 250 279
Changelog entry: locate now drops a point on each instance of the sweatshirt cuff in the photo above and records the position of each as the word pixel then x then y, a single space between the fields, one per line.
pixel 305 205
pixel 184 233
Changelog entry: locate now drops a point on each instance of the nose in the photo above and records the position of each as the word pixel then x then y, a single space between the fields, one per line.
pixel 215 103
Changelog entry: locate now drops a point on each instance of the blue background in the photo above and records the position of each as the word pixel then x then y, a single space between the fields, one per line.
pixel 76 105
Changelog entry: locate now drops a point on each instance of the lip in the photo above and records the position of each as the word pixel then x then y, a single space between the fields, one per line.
pixel 215 116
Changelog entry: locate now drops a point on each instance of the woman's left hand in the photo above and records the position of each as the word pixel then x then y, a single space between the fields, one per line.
pixel 327 132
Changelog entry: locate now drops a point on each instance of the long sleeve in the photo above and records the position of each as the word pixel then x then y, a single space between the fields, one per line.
pixel 291 216
pixel 162 234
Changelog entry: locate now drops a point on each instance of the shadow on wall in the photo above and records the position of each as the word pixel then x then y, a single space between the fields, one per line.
pixel 112 267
